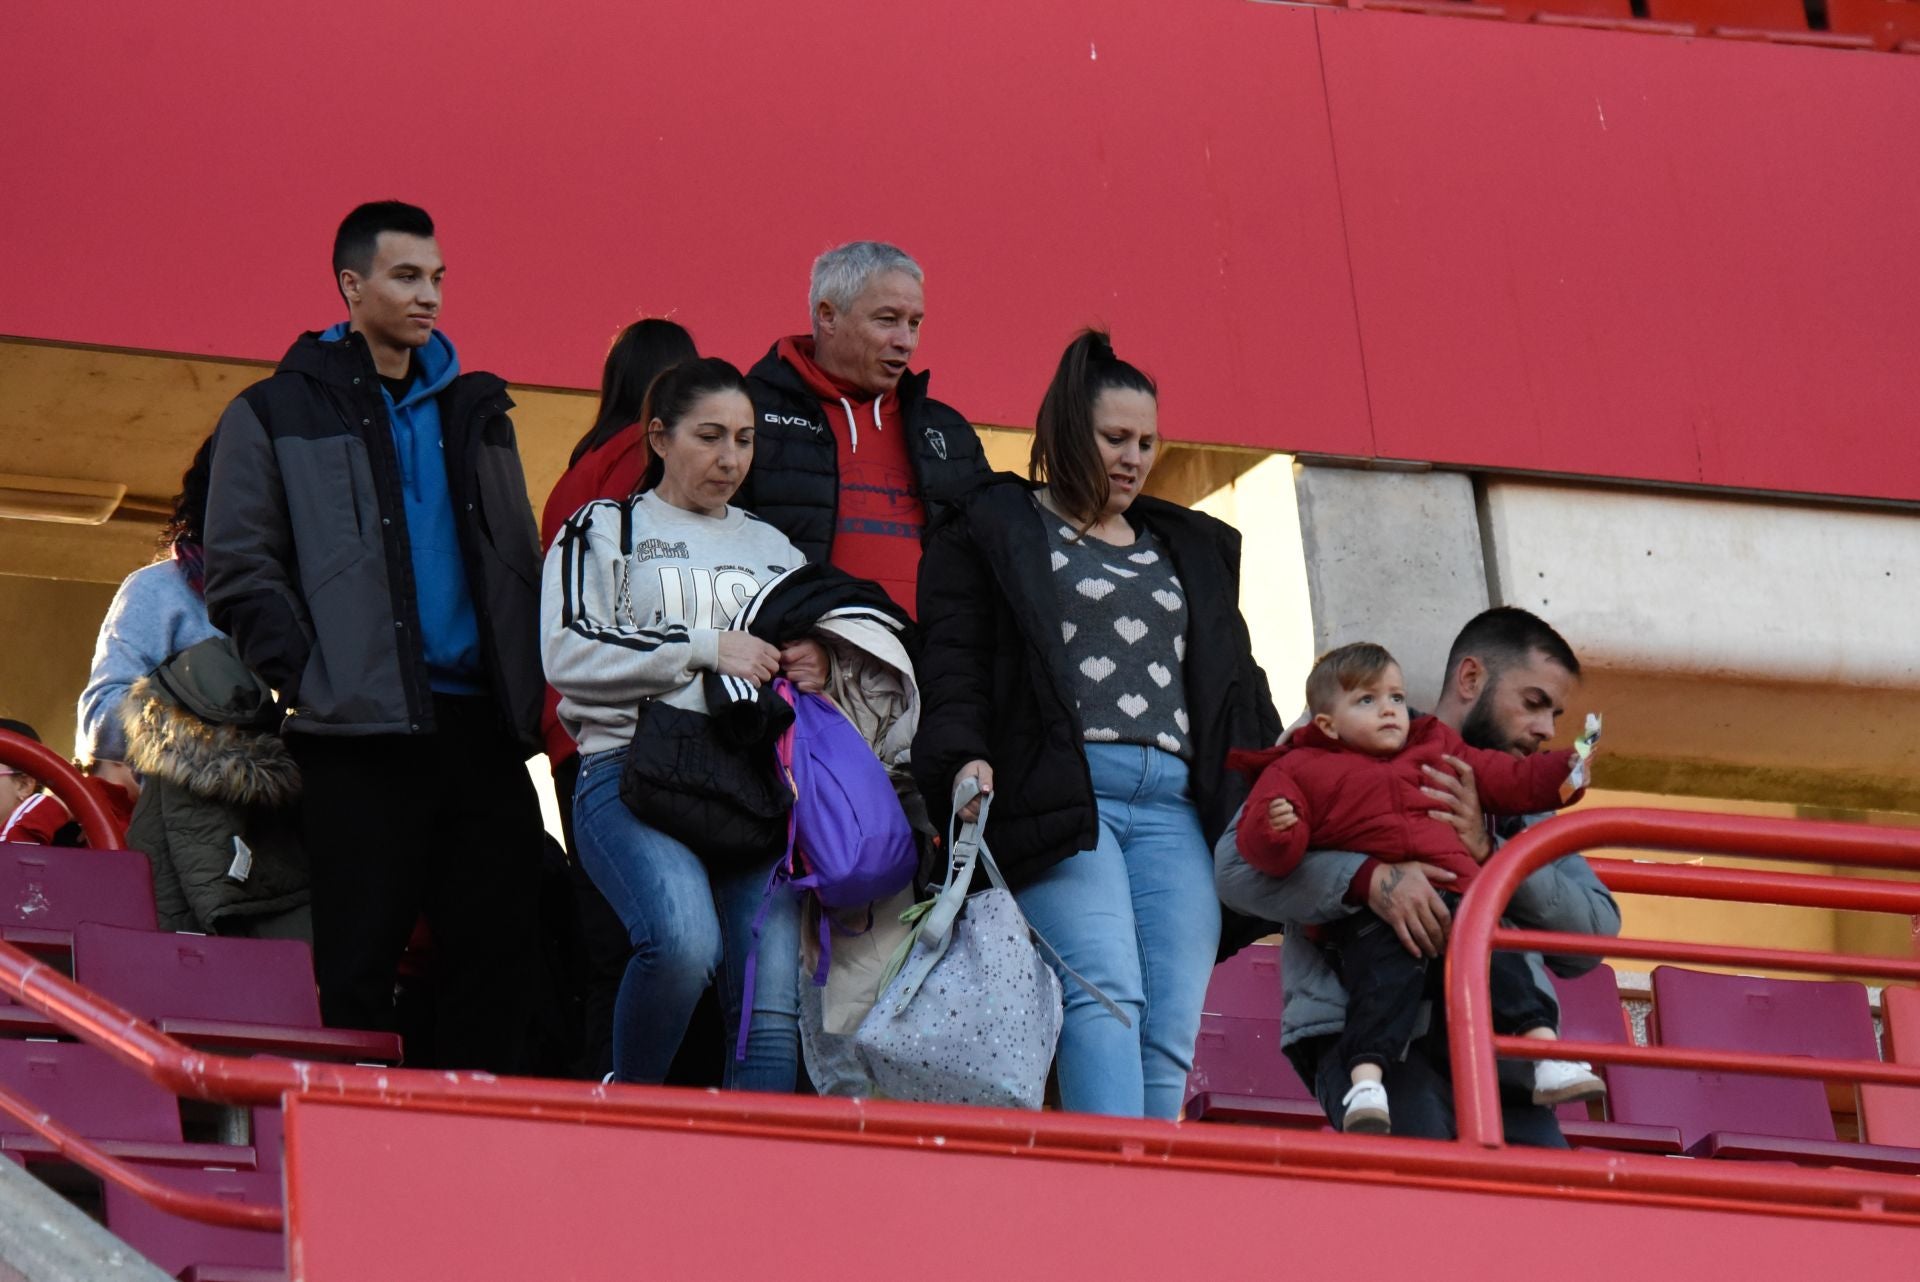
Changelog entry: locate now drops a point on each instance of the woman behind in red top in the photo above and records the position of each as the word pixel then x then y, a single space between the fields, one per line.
pixel 606 464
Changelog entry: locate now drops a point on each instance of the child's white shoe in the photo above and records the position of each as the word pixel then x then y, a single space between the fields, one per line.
pixel 1366 1110
pixel 1565 1081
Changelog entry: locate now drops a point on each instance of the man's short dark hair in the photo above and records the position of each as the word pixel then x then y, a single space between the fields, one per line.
pixel 1504 637
pixel 359 234
pixel 20 728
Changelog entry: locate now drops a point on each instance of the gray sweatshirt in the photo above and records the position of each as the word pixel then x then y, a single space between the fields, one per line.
pixel 618 628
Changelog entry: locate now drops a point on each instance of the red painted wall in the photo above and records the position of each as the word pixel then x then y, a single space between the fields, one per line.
pixel 1354 233
pixel 377 1193
pixel 1633 255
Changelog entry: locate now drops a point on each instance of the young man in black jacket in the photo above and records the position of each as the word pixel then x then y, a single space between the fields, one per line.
pixel 851 455
pixel 372 552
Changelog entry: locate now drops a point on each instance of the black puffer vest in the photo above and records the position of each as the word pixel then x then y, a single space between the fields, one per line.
pixel 795 481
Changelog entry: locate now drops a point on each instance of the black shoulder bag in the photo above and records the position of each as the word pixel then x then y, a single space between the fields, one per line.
pixel 684 777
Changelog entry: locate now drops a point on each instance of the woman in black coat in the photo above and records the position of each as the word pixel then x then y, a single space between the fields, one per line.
pixel 1085 659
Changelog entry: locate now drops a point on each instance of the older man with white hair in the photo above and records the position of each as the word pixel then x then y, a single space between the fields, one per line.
pixel 850 452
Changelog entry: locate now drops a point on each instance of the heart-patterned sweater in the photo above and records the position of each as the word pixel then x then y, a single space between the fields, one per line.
pixel 1123 616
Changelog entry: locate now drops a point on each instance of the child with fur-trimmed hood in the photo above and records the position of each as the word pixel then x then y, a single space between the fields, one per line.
pixel 217 817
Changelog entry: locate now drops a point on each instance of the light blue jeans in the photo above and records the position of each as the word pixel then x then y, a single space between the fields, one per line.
pixel 686 926
pixel 1137 916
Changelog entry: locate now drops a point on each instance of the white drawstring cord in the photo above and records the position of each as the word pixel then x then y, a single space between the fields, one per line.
pixel 853 426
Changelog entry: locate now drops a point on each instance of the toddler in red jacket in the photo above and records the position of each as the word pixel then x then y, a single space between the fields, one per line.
pixel 1351 780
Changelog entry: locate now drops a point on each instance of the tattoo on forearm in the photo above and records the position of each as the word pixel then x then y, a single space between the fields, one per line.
pixel 1391 878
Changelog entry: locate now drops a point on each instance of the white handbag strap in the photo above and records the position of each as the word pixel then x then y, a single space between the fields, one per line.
pixel 965 848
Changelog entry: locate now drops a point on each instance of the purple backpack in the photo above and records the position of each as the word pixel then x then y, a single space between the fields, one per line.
pixel 848 840
pixel 851 841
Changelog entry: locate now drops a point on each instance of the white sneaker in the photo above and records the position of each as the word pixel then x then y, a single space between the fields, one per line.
pixel 1366 1110
pixel 1565 1081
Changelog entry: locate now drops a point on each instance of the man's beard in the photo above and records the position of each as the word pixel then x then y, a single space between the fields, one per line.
pixel 1480 729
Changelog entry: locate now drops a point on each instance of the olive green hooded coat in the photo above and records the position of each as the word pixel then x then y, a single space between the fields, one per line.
pixel 219 788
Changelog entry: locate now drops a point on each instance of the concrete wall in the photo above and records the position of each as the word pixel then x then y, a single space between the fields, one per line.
pixel 1392 557
pixel 1740 648
pixel 1747 648
pixel 1752 657
pixel 1715 587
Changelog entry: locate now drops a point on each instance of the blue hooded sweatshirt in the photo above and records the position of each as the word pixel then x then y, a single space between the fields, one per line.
pixel 449 629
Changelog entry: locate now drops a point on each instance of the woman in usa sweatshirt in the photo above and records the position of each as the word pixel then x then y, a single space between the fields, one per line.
pixel 636 603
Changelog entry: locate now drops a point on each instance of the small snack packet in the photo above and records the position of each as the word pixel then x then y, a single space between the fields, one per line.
pixel 1582 773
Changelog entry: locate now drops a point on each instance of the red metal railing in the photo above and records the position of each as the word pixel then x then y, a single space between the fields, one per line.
pixel 1656 1181
pixel 81 1151
pixel 1854 1196
pixel 64 782
pixel 1477 932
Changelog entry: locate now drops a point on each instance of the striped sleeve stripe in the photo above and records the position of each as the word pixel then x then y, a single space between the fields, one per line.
pixel 573 579
pixel 26 808
pixel 744 620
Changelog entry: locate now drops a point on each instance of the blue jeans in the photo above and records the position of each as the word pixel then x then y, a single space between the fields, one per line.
pixel 686 925
pixel 1137 916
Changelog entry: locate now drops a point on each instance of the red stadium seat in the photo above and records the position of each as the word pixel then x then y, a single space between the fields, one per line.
pixel 176 1245
pixel 45 891
pixel 1781 20
pixel 1590 1011
pixel 1433 8
pixel 89 1092
pixel 1891 1114
pixel 1247 984
pixel 122 1112
pixel 253 995
pixel 1774 15
pixel 1638 25
pixel 1888 23
pixel 1731 1115
pixel 1592 8
pixel 268 1134
pixel 1606 10
pixel 1239 1073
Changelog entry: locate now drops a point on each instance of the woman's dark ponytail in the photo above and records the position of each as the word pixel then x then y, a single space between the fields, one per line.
pixel 638 354
pixel 1065 457
pixel 185 534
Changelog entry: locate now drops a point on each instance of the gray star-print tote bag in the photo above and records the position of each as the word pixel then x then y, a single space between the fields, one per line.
pixel 973 1014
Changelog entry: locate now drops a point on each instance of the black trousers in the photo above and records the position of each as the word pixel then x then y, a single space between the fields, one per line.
pixel 1386 985
pixel 446 824
pixel 1420 1091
